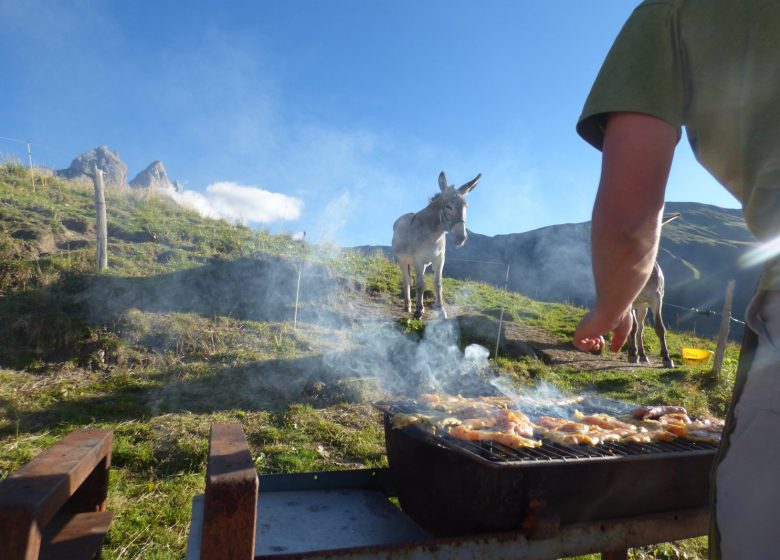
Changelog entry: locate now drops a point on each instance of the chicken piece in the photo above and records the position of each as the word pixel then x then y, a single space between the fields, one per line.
pixel 402 420
pixel 703 436
pixel 648 437
pixel 708 430
pixel 562 425
pixel 604 421
pixel 567 438
pixel 510 440
pixel 676 419
pixel 647 431
pixel 614 434
pixel 427 422
pixel 480 423
pixel 514 421
pixel 655 412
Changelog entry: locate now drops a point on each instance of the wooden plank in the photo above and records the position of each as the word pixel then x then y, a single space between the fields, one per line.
pixel 20 536
pixel 231 496
pixel 34 494
pixel 75 537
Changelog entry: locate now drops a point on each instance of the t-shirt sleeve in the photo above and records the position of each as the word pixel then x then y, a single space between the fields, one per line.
pixel 641 74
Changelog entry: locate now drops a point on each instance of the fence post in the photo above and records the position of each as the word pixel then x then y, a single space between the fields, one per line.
pixel 29 158
pixel 725 322
pixel 501 317
pixel 298 289
pixel 100 220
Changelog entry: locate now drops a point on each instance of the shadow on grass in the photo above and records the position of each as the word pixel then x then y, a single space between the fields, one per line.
pixel 263 385
pixel 48 323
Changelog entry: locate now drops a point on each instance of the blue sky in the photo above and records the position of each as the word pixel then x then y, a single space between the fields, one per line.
pixel 330 117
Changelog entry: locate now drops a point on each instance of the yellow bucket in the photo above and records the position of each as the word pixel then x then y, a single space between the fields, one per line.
pixel 696 356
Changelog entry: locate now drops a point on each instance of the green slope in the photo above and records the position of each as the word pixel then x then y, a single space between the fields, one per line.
pixel 195 322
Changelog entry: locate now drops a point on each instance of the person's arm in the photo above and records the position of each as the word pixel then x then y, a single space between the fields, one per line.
pixel 626 225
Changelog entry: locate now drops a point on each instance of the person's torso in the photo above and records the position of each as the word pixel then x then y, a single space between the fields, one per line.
pixel 730 55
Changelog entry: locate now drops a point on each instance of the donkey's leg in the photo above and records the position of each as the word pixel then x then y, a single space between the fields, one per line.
pixel 419 288
pixel 632 338
pixel 437 273
pixel 406 271
pixel 640 333
pixel 660 330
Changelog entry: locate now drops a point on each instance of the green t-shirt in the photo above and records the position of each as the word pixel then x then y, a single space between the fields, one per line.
pixel 712 66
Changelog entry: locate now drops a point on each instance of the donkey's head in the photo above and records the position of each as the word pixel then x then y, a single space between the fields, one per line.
pixel 452 207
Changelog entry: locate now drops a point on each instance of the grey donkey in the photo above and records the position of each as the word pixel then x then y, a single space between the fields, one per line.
pixel 419 240
pixel 651 297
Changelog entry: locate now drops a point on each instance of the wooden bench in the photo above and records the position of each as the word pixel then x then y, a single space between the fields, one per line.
pixel 54 507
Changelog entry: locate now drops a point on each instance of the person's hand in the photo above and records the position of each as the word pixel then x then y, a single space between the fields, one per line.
pixel 589 336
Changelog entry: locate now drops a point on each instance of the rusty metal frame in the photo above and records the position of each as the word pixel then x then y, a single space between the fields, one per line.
pixel 610 537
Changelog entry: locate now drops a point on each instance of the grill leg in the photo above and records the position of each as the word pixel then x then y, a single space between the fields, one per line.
pixel 615 555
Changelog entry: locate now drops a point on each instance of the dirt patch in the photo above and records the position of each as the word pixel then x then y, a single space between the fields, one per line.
pixel 562 353
pixel 516 339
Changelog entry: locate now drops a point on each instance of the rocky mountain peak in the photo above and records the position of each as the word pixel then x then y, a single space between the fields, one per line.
pixel 154 176
pixel 114 169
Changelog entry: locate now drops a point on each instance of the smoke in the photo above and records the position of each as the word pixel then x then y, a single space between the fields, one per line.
pixel 335 215
pixel 403 365
pixel 544 399
pixel 232 201
pixel 238 315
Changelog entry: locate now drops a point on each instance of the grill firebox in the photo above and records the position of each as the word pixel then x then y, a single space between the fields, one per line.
pixel 453 487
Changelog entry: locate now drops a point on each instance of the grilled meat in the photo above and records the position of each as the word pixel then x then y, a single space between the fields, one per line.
pixel 492 419
pixel 505 438
pixel 655 412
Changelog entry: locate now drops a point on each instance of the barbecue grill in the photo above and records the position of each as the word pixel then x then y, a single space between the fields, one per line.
pixel 453 487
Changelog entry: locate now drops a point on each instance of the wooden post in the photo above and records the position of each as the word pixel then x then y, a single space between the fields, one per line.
pixel 725 322
pixel 100 221
pixel 29 158
pixel 230 501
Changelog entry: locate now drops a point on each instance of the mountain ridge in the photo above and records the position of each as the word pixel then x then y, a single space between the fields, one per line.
pixel 698 253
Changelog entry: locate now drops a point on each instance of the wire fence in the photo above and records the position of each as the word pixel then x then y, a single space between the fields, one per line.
pixel 34 153
pixel 694 316
pixel 691 313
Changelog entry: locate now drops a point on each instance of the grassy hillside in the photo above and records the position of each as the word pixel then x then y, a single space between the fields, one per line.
pixel 195 322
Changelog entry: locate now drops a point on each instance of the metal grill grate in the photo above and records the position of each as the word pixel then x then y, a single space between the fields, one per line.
pixel 498 454
pixel 550 451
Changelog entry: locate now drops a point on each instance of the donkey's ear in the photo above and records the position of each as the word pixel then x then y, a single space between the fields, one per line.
pixel 468 187
pixel 443 181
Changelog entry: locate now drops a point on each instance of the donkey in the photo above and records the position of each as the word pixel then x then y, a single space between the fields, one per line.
pixel 419 240
pixel 651 297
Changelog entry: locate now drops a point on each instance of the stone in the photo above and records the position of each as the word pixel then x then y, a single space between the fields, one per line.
pixel 114 169
pixel 153 177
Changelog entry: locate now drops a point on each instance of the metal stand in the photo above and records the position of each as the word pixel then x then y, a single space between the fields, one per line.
pixel 348 515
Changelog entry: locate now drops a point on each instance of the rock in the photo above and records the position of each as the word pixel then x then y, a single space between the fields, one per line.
pixel 114 169
pixel 153 177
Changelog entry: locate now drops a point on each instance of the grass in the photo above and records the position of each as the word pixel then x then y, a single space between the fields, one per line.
pixel 159 372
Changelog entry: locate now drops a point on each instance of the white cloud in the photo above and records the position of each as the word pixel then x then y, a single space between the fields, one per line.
pixel 239 202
